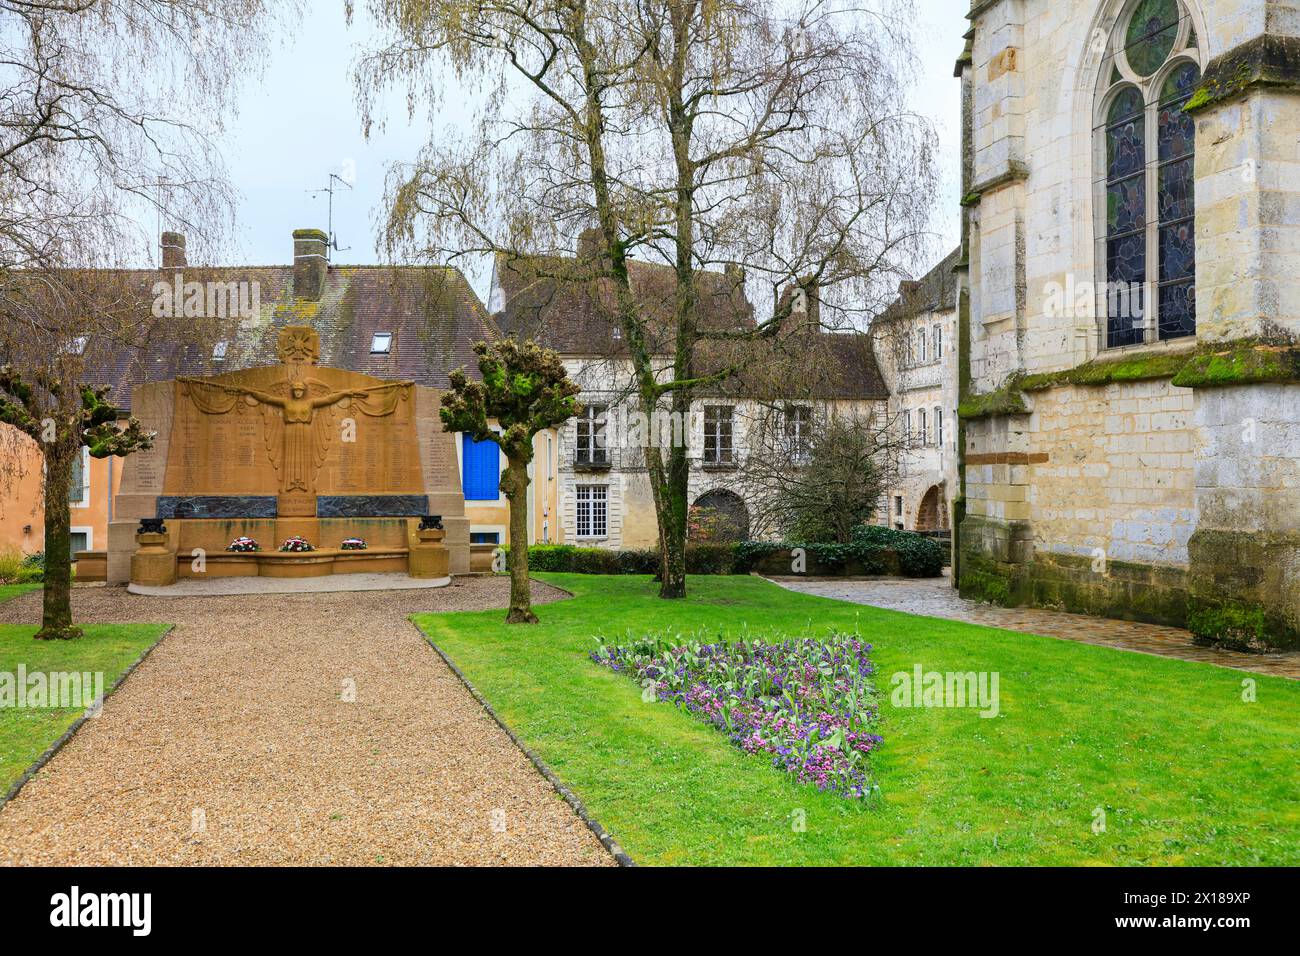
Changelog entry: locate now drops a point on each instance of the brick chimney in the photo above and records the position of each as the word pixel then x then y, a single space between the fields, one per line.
pixel 735 274
pixel 805 305
pixel 310 263
pixel 173 250
pixel 591 242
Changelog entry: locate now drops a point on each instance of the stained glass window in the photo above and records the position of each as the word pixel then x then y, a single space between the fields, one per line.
pixel 1150 244
pixel 1152 33
pixel 1177 201
pixel 1126 260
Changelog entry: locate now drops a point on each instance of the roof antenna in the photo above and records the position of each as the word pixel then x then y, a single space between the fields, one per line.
pixel 333 242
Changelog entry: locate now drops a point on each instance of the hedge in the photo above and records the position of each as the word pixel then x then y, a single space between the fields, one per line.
pixel 874 550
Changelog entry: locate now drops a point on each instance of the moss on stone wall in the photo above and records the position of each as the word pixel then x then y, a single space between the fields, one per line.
pixel 1268 60
pixel 1009 399
pixel 1124 591
pixel 1239 364
pixel 1211 365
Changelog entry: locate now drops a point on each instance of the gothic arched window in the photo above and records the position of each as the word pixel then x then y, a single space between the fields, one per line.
pixel 1146 144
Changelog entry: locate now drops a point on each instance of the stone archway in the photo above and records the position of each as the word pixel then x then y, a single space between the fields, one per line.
pixel 720 515
pixel 932 515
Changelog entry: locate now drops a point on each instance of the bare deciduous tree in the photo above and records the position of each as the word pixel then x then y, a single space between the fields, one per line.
pixel 689 133
pixel 109 114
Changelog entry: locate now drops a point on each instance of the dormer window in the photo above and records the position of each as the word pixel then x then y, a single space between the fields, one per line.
pixel 381 343
pixel 78 345
pixel 219 351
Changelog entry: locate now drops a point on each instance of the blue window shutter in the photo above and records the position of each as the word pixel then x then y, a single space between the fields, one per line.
pixel 481 465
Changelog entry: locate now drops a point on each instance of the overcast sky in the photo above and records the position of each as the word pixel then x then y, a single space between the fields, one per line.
pixel 299 123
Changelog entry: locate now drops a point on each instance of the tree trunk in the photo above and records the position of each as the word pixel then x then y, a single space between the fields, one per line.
pixel 514 482
pixel 56 615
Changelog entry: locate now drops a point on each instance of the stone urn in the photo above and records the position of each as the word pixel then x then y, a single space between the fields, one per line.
pixel 429 558
pixel 153 564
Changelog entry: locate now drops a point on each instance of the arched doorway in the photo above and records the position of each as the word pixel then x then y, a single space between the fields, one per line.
pixel 932 515
pixel 719 516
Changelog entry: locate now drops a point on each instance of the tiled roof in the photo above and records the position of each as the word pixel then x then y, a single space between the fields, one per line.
pixel 433 314
pixel 936 291
pixel 805 364
pixel 577 320
pixel 541 299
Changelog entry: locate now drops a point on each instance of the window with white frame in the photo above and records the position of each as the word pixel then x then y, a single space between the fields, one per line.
pixel 937 335
pixel 79 487
pixel 921 358
pixel 938 426
pixel 718 434
pixel 907 426
pixel 922 427
pixel 593 511
pixel 797 426
pixel 591 448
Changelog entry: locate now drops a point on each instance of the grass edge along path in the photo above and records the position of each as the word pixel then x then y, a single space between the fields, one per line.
pixel 30 737
pixel 1097 756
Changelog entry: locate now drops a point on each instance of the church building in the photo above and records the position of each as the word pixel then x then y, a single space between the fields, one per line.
pixel 1128 311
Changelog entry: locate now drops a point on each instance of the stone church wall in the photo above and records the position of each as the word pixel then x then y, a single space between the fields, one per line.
pixel 1159 481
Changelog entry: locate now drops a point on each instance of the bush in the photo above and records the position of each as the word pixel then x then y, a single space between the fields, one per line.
pixel 710 558
pixel 918 556
pixel 11 563
pixel 873 551
pixel 702 558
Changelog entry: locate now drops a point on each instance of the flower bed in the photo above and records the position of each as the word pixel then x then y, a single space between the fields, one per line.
pixel 809 703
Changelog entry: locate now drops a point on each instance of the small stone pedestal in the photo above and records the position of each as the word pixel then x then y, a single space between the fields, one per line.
pixel 153 565
pixel 429 559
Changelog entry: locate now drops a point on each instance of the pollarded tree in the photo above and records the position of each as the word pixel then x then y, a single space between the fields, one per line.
pixel 525 390
pixel 112 110
pixel 41 410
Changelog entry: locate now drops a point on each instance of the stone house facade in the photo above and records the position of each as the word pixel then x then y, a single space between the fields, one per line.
pixel 915 344
pixel 1128 310
pixel 603 496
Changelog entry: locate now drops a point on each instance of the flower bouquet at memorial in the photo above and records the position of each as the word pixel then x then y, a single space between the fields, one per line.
pixel 352 544
pixel 243 545
pixel 297 545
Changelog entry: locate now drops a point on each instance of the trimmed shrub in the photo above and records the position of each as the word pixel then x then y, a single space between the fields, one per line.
pixel 706 557
pixel 918 556
pixel 873 551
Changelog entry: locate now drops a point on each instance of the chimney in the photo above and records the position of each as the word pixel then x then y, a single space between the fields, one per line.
pixel 173 250
pixel 805 305
pixel 735 274
pixel 591 243
pixel 310 263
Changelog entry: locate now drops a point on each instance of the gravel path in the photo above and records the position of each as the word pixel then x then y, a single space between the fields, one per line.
pixel 233 744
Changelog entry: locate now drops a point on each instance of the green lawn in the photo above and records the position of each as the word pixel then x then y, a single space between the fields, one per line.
pixel 26 732
pixel 1185 770
pixel 8 591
